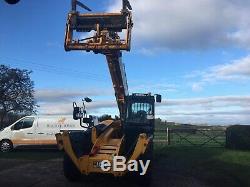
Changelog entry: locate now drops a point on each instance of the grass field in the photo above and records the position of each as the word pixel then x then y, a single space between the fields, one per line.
pixel 213 166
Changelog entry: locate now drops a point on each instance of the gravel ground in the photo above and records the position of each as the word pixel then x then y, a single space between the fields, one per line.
pixel 15 172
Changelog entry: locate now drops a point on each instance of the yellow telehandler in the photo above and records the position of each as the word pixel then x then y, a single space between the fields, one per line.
pixel 132 135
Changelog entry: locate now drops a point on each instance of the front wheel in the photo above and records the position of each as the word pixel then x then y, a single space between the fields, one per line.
pixel 70 171
pixel 6 146
pixel 145 180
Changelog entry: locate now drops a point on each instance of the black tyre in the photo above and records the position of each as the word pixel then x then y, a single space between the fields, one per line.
pixel 81 141
pixel 6 146
pixel 70 170
pixel 145 180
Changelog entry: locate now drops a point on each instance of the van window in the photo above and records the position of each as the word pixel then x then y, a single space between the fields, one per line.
pixel 18 125
pixel 24 123
pixel 27 123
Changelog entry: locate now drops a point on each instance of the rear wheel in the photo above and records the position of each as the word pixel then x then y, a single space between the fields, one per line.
pixel 145 180
pixel 70 171
pixel 6 146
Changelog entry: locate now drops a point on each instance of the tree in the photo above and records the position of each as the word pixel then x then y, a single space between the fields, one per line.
pixel 104 117
pixel 16 92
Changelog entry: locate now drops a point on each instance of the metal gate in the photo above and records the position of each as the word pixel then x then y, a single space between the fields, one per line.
pixel 191 137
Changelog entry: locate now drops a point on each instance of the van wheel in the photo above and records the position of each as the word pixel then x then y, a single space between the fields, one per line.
pixel 6 146
pixel 70 170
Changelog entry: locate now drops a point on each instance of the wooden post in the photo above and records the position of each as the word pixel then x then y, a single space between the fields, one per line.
pixel 168 137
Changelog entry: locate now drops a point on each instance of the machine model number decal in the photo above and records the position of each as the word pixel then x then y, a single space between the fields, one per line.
pixel 97 164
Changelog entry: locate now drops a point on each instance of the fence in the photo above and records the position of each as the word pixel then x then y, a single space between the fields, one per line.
pixel 191 137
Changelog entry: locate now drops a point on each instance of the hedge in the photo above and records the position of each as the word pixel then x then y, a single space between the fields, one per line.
pixel 238 137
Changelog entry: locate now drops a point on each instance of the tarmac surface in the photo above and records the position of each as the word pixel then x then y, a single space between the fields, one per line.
pixel 15 172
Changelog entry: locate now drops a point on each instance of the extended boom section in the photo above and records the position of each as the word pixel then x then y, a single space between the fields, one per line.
pixel 118 76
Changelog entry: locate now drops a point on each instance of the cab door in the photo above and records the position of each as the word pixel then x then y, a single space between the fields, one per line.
pixel 24 132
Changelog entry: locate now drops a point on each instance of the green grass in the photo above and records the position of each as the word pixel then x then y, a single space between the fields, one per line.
pixel 213 166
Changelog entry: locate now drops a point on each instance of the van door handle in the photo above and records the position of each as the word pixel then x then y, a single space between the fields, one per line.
pixel 29 133
pixel 40 133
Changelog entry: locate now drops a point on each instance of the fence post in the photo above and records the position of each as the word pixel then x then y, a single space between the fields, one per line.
pixel 168 137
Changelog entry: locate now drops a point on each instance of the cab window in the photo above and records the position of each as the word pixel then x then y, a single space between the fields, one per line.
pixel 138 107
pixel 24 123
pixel 140 111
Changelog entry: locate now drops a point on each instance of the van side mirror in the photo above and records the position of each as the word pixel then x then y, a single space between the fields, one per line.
pixel 158 98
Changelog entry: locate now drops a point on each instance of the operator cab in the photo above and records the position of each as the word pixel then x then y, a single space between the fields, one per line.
pixel 140 113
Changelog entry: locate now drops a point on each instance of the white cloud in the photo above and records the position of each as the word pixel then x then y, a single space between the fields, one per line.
pixel 216 101
pixel 65 108
pixel 207 113
pixel 61 95
pixel 196 87
pixel 209 119
pixel 189 24
pixel 59 101
pixel 210 110
pixel 160 87
pixel 55 108
pixel 237 70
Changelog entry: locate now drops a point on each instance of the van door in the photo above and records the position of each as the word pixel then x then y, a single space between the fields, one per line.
pixel 45 134
pixel 24 132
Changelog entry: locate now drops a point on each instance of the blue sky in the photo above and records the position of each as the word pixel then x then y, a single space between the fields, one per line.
pixel 195 53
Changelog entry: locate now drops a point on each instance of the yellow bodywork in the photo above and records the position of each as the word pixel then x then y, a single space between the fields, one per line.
pixel 105 147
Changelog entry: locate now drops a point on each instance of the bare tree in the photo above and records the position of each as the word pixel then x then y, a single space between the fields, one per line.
pixel 16 92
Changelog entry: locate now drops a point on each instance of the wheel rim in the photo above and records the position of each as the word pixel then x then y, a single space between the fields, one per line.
pixel 5 146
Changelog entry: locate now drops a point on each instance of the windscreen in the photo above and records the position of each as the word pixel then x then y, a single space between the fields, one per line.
pixel 140 111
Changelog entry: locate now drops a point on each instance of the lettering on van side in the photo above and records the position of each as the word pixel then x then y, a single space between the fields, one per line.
pixel 59 126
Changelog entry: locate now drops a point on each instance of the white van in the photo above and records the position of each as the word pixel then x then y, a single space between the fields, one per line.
pixel 34 130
